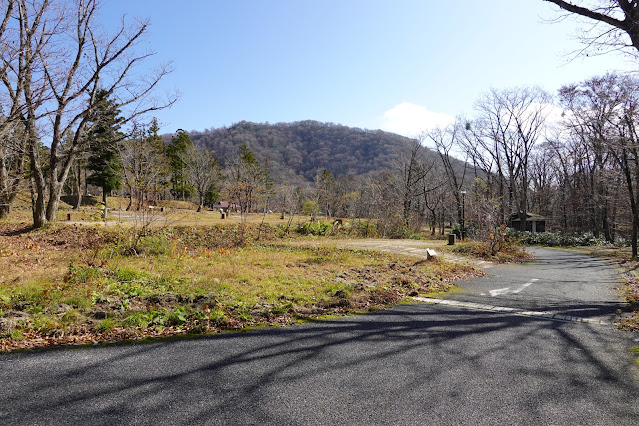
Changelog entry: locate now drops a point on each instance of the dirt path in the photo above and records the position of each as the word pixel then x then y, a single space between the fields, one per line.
pixel 406 247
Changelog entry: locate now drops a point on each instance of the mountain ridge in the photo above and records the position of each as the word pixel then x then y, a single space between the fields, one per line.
pixel 297 151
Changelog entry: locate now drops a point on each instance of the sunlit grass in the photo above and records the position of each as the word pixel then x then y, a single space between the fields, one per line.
pixel 81 284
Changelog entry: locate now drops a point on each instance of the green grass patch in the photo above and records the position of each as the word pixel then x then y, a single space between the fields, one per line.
pixel 635 352
pixel 198 280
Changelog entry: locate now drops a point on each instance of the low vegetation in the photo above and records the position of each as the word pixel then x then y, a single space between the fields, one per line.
pixel 561 239
pixel 82 284
pixel 499 244
pixel 482 250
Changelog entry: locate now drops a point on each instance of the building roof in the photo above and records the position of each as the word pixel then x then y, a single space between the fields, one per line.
pixel 530 217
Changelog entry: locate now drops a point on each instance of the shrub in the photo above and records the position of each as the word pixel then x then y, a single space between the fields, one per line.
pixel 363 229
pixel 104 326
pixel 224 236
pixel 178 317
pixel 317 228
pixel 218 317
pixel 508 252
pixel 79 275
pixel 153 245
pixel 136 319
pixel 555 238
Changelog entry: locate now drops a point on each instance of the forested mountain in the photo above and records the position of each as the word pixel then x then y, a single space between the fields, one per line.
pixel 297 151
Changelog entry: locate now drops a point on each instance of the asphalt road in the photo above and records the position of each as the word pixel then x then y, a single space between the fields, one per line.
pixel 414 364
pixel 558 281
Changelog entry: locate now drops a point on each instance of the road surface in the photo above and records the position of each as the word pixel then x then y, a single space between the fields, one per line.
pixel 414 364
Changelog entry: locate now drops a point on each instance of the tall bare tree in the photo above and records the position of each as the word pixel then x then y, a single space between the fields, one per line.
pixel 510 123
pixel 248 181
pixel 13 66
pixel 625 149
pixel 590 109
pixel 202 170
pixel 144 164
pixel 12 167
pixel 59 59
pixel 446 140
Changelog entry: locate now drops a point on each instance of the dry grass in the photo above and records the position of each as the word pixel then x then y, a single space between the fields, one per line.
pixel 79 284
pixel 481 250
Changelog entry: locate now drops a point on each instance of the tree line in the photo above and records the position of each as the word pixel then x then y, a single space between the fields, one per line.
pixel 73 103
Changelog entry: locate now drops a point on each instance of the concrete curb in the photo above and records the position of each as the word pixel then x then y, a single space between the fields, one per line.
pixel 515 311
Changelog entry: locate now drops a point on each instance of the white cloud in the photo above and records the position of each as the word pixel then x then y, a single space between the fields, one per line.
pixel 410 120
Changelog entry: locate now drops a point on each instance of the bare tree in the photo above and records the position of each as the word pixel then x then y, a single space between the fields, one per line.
pixel 202 170
pixel 445 141
pixel 59 60
pixel 625 148
pixel 590 110
pixel 144 164
pixel 616 24
pixel 248 182
pixel 324 188
pixel 13 67
pixel 510 123
pixel 400 193
pixel 12 167
pixel 433 194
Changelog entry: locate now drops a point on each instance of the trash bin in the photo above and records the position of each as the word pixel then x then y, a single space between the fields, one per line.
pixel 451 239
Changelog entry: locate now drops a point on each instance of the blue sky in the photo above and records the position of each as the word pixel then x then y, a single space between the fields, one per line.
pixel 401 65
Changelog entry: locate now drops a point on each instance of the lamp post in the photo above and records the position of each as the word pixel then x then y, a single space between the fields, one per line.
pixel 463 229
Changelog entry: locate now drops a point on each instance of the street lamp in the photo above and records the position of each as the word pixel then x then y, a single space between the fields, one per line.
pixel 463 229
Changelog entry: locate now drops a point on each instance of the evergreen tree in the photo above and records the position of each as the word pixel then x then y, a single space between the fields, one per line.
pixel 176 151
pixel 162 169
pixel 104 158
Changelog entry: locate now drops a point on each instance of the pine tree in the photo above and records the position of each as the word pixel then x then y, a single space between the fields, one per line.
pixel 176 151
pixel 104 158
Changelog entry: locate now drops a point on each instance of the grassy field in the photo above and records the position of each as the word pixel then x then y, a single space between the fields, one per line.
pixel 81 283
pixel 161 274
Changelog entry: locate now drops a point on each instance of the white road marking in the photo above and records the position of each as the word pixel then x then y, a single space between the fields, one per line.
pixel 507 290
pixel 499 291
pixel 515 311
pixel 529 283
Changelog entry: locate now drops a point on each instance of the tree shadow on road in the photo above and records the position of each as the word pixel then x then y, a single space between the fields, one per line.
pixel 395 366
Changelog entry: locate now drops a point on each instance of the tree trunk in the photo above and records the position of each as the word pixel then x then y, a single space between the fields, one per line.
pixel 199 208
pixel 55 190
pixel 624 163
pixel 635 228
pixel 39 210
pixel 53 203
pixel 634 197
pixel 522 220
pixel 78 190
pixel 5 210
pixel 38 188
